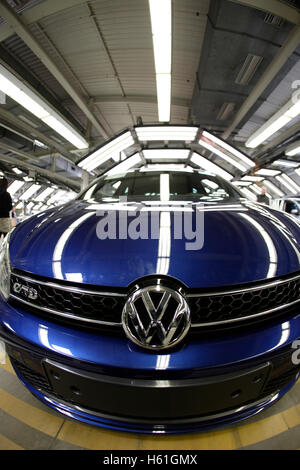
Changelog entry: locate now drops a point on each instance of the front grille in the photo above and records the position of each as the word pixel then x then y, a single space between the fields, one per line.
pixel 74 302
pixel 282 374
pixel 37 380
pixel 228 306
pixel 90 306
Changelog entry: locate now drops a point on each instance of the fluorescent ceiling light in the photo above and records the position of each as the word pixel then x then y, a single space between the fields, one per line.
pixel 288 112
pixel 15 186
pixel 30 205
pixel 180 154
pixel 249 194
pixel 44 194
pixel 39 144
pixel 30 191
pixel 288 163
pixel 125 165
pixel 293 149
pixel 161 25
pixel 267 172
pixel 166 133
pixel 257 190
pixel 57 196
pixel 167 167
pixel 248 69
pixel 225 111
pixel 288 183
pixel 229 148
pixel 17 171
pixel 291 182
pixel 273 188
pixel 20 205
pixel 222 155
pixel 210 166
pixel 23 95
pixel 107 151
pixel 252 178
pixel 163 89
pixel 241 183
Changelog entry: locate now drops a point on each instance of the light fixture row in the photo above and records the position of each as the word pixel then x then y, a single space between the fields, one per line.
pixel 24 96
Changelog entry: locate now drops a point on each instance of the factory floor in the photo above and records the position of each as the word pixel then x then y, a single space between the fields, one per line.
pixel 25 423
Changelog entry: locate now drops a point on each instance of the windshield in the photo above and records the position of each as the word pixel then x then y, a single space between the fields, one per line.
pixel 161 185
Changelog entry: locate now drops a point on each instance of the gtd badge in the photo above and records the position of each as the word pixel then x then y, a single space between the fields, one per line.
pixel 28 292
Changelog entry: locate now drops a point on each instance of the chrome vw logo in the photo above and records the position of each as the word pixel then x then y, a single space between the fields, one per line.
pixel 156 317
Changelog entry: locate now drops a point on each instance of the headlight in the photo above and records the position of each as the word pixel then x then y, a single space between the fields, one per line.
pixel 4 268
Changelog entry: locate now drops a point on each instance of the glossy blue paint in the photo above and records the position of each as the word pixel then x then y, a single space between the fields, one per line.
pixel 107 351
pixel 243 242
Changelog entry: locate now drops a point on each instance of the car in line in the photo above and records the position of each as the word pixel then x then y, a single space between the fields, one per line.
pixel 155 302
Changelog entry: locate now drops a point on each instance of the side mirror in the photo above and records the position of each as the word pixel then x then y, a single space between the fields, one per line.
pixel 295 211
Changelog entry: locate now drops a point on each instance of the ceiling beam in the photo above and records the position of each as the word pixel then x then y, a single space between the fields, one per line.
pixel 41 171
pixel 9 148
pixel 275 7
pixel 38 12
pixel 137 99
pixel 279 60
pixel 9 117
pixel 22 30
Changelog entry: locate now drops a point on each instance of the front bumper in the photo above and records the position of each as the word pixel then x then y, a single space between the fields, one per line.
pixel 110 382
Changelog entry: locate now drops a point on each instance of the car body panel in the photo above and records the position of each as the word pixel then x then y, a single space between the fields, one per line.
pixel 255 243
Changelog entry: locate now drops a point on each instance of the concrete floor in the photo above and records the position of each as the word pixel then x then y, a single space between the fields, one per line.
pixel 25 423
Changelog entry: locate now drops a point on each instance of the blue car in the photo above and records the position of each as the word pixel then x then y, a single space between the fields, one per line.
pixel 155 302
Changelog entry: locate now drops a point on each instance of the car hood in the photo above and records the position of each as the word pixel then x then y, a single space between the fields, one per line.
pixel 236 243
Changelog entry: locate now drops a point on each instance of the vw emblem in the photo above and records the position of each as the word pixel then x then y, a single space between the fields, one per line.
pixel 156 317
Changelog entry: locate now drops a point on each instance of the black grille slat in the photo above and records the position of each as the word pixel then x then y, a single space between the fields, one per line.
pixel 88 306
pixel 219 308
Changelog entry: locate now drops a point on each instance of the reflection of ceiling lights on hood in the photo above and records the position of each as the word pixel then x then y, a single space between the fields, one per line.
pixel 23 95
pixel 161 25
